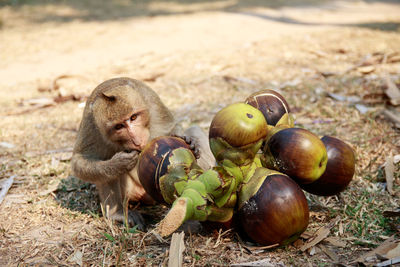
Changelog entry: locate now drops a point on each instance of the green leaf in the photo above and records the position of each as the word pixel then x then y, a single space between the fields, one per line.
pixel 133 230
pixel 109 237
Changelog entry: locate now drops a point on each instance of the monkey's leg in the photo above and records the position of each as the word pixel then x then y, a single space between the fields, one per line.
pixel 112 200
pixel 206 160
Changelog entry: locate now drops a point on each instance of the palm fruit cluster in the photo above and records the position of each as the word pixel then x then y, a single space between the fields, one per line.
pixel 262 162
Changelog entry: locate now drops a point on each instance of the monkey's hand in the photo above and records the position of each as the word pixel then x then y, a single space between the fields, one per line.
pixel 124 161
pixel 193 143
pixel 134 218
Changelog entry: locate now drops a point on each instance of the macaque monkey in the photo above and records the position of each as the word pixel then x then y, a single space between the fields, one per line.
pixel 120 117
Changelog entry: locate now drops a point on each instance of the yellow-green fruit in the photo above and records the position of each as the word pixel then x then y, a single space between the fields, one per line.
pixel 239 125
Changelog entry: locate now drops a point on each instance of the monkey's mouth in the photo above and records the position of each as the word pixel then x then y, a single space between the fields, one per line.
pixel 131 150
pixel 132 146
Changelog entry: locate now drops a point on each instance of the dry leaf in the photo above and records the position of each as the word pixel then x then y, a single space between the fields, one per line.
pixel 396 159
pixel 336 241
pixel 42 101
pixel 298 243
pixel 314 250
pixel 390 262
pixel 342 98
pixel 388 249
pixel 392 92
pixel 231 79
pixel 394 117
pixel 329 253
pixel 64 98
pixel 12 199
pixel 6 145
pixel 34 104
pixel 320 235
pixel 366 69
pixel 54 162
pixel 394 59
pixel 176 250
pixel 77 258
pixel 393 252
pixel 389 172
pixel 362 108
pixel 263 262
pixel 5 186
pixel 153 77
pixel 54 85
pixel 306 234
pixel 341 229
pixel 319 53
pixel 50 189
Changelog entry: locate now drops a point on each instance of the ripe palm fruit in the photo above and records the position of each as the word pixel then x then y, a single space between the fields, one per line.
pixel 154 162
pixel 272 208
pixel 275 110
pixel 236 134
pixel 297 153
pixel 169 173
pixel 339 169
pixel 272 104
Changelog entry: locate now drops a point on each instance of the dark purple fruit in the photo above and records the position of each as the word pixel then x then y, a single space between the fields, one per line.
pixel 339 169
pixel 272 104
pixel 277 212
pixel 297 153
pixel 154 161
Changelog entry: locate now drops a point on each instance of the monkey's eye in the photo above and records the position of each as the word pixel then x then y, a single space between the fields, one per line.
pixel 118 126
pixel 134 117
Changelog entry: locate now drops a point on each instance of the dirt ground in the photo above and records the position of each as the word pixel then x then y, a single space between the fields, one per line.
pixel 332 60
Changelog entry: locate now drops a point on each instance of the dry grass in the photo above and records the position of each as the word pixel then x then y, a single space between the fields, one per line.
pixel 43 226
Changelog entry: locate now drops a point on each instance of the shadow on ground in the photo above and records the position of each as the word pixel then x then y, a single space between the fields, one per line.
pixel 382 26
pixel 40 11
pixel 90 10
pixel 77 195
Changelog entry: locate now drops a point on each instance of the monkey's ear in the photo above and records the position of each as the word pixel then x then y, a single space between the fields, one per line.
pixel 108 96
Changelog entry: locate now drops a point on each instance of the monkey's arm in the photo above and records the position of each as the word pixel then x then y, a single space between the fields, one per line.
pixel 103 171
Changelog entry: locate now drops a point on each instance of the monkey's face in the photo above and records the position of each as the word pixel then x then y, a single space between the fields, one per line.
pixel 133 132
pixel 122 117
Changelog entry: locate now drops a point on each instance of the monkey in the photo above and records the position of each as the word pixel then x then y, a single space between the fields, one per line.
pixel 120 117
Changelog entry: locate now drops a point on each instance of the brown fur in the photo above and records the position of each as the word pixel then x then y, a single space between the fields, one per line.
pixel 100 153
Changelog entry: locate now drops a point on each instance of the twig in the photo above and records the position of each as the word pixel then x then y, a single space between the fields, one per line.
pixel 389 262
pixel 392 91
pixel 254 248
pixel 176 250
pixel 153 77
pixel 54 85
pixel 381 249
pixel 389 173
pixel 5 187
pixel 264 262
pixel 30 109
pixel 329 253
pixel 392 116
